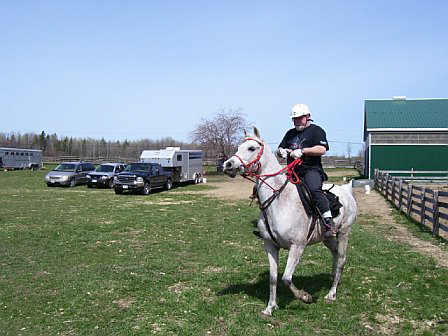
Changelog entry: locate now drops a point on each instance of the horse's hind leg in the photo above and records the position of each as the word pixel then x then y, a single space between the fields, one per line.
pixel 338 250
pixel 272 252
pixel 295 252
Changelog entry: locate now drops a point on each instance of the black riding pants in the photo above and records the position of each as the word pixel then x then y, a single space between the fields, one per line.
pixel 314 180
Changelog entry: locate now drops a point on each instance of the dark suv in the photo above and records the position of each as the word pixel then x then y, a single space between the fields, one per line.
pixel 142 177
pixel 103 176
pixel 69 174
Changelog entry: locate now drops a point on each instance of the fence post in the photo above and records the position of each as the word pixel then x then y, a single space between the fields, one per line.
pixel 381 178
pixel 393 194
pixel 411 186
pixel 387 187
pixel 435 207
pixel 422 210
pixel 378 180
pixel 400 196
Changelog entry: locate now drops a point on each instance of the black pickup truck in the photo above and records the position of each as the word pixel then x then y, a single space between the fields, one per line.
pixel 142 177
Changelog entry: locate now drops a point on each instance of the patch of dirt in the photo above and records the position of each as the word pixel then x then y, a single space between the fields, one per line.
pixel 178 288
pixel 124 303
pixel 342 172
pixel 373 204
pixel 237 188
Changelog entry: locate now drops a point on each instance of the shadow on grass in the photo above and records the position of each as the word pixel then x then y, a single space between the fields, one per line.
pixel 316 285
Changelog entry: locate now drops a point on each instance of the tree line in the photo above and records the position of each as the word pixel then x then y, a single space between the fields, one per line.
pixel 217 137
pixel 53 145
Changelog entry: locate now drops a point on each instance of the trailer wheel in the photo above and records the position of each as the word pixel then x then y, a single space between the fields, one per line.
pixel 169 184
pixel 146 189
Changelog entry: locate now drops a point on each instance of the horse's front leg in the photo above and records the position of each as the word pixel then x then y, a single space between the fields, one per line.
pixel 272 253
pixel 295 252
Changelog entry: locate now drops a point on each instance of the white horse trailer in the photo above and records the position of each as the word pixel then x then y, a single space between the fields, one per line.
pixel 19 158
pixel 185 164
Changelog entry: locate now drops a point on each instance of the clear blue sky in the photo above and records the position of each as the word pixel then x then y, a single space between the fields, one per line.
pixel 151 69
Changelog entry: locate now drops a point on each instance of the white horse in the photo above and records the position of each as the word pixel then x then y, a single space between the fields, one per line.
pixel 284 223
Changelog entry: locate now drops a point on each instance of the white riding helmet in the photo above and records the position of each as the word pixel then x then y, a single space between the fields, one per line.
pixel 299 110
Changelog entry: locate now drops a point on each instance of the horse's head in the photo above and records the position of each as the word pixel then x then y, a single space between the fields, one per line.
pixel 247 159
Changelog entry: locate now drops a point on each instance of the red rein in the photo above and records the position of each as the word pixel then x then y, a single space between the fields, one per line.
pixel 290 168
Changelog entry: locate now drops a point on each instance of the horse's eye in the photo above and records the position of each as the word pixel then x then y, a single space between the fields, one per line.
pixel 251 148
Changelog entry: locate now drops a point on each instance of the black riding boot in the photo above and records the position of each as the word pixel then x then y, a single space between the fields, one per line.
pixel 330 228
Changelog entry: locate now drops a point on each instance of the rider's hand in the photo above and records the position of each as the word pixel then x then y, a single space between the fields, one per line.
pixel 281 153
pixel 296 154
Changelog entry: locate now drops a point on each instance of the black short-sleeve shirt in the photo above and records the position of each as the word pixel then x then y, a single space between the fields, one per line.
pixel 311 136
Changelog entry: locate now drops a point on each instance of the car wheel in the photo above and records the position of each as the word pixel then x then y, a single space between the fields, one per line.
pixel 146 189
pixel 49 185
pixel 118 191
pixel 89 185
pixel 72 182
pixel 169 184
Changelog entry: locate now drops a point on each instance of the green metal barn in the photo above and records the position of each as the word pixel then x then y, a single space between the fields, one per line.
pixel 405 134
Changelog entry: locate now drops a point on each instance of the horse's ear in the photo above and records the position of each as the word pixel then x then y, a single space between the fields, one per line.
pixel 257 133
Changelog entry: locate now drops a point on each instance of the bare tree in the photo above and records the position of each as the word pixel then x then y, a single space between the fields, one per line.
pixel 220 135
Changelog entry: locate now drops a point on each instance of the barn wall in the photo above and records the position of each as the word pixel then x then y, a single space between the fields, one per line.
pixel 407 157
pixel 409 137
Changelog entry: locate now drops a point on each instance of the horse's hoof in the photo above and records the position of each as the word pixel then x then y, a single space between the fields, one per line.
pixel 266 312
pixel 330 298
pixel 306 298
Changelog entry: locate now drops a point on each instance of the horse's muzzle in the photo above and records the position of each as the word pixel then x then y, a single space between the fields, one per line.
pixel 231 167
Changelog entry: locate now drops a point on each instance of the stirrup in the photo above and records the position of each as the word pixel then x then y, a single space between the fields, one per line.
pixel 330 233
pixel 330 228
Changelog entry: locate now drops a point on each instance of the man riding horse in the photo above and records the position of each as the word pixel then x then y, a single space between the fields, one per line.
pixel 283 221
pixel 308 142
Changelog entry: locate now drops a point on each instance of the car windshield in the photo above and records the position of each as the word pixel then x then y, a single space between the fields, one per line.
pixel 67 167
pixel 138 167
pixel 104 169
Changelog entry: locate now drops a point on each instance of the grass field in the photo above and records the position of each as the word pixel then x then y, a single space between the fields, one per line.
pixel 79 261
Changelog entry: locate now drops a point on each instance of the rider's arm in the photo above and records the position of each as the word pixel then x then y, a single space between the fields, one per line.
pixel 317 150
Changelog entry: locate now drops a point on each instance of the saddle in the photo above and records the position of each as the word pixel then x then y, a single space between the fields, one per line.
pixel 310 205
pixel 308 202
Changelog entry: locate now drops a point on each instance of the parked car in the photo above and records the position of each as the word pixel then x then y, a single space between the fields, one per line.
pixel 142 177
pixel 69 174
pixel 104 174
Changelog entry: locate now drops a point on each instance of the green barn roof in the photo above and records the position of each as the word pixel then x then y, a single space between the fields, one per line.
pixel 406 113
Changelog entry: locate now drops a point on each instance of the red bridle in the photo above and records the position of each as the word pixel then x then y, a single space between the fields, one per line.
pixel 255 161
pixel 290 168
